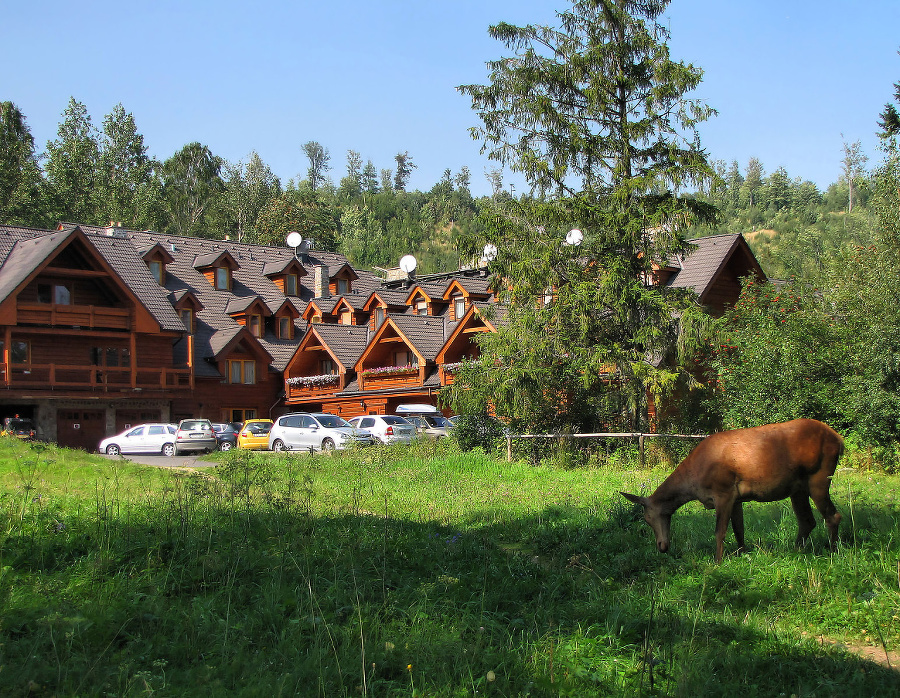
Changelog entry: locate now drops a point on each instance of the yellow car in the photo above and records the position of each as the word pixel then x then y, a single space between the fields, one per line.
pixel 255 434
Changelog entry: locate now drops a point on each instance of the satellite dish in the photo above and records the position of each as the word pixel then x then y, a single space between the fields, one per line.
pixel 294 239
pixel 408 263
pixel 574 237
pixel 490 252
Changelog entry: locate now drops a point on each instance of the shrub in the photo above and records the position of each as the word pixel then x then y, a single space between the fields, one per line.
pixel 478 430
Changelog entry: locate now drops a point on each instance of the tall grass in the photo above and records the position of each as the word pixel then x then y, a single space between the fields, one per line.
pixel 422 571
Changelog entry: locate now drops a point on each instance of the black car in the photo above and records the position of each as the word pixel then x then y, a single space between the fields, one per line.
pixel 226 435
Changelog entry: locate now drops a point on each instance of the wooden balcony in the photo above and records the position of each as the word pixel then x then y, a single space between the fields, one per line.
pixel 85 316
pixel 97 378
pixel 381 381
pixel 302 392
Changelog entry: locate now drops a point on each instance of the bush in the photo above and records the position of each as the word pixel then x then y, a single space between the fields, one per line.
pixel 478 430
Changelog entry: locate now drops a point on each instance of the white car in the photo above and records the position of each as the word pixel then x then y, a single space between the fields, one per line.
pixel 387 428
pixel 144 438
pixel 316 432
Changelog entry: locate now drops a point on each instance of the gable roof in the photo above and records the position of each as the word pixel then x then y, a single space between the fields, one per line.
pixel 24 250
pixel 700 267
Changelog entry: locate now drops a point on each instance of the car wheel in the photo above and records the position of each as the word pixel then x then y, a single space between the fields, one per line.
pixel 113 450
pixel 226 446
pixel 278 446
pixel 168 450
pixel 327 445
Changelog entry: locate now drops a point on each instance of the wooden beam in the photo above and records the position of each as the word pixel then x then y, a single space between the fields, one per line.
pixel 83 273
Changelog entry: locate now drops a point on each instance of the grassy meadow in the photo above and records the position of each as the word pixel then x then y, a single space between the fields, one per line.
pixel 424 571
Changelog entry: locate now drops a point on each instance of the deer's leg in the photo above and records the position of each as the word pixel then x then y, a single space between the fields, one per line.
pixel 806 522
pixel 819 485
pixel 737 524
pixel 723 515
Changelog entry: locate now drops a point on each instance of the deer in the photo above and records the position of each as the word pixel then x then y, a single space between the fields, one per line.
pixel 795 459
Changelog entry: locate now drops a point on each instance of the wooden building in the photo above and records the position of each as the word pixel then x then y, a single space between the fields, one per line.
pixel 103 328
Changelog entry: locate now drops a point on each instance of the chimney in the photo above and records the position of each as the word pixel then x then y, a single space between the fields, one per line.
pixel 320 281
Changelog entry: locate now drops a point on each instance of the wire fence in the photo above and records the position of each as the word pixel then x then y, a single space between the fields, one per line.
pixel 563 438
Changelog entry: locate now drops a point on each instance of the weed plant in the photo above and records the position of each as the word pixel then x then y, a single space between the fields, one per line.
pixel 421 570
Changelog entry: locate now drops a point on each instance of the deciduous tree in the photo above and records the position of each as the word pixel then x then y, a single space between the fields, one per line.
pixel 190 183
pixel 72 167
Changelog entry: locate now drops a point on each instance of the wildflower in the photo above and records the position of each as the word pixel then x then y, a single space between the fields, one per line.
pixel 409 667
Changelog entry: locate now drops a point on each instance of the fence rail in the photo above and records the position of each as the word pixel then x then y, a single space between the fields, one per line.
pixel 600 435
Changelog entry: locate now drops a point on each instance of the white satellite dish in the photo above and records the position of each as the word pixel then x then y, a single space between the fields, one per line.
pixel 408 263
pixel 490 252
pixel 294 239
pixel 574 237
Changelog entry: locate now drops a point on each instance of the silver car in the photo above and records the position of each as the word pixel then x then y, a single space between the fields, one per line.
pixel 195 435
pixel 144 438
pixel 318 431
pixel 387 428
pixel 432 426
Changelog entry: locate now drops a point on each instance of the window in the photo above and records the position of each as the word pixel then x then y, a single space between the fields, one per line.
pixel 187 317
pixel 459 307
pixel 379 316
pixel 158 271
pixel 156 430
pixel 405 358
pixel 254 325
pixel 238 415
pixel 59 294
pixel 328 368
pixel 242 372
pixel 422 308
pixel 110 356
pixel 343 286
pixel 223 279
pixel 290 285
pixel 284 327
pixel 20 352
pixel 316 319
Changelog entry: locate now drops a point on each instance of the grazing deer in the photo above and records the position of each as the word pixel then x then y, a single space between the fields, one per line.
pixel 794 459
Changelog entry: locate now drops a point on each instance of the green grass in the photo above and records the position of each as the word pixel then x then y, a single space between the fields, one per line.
pixel 423 572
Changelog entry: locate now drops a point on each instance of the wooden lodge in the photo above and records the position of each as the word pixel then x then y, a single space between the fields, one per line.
pixel 103 328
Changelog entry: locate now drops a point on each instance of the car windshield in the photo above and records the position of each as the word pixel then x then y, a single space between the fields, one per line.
pixel 331 421
pixel 21 424
pixel 194 424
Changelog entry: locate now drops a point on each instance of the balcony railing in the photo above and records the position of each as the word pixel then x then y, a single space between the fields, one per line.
pixel 70 377
pixel 304 390
pixel 87 316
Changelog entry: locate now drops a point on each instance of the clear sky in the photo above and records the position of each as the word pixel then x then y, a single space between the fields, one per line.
pixel 791 79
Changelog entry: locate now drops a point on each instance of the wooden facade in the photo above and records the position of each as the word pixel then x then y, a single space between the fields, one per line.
pixel 103 328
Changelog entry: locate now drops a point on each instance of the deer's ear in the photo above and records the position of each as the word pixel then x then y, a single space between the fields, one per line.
pixel 634 498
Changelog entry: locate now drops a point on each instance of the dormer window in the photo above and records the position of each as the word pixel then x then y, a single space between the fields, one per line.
pixel 187 317
pixel 254 323
pixel 223 278
pixel 459 307
pixel 422 308
pixel 343 286
pixel 285 328
pixel 290 285
pixel 158 269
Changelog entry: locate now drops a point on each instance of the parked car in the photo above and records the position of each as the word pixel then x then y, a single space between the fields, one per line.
pixel 226 435
pixel 195 435
pixel 144 438
pixel 318 431
pixel 387 428
pixel 20 427
pixel 255 434
pixel 432 426
pixel 454 419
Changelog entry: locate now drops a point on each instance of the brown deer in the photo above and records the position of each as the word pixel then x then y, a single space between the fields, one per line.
pixel 793 459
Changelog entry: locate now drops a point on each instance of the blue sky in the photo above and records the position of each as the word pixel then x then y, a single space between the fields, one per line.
pixel 792 80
